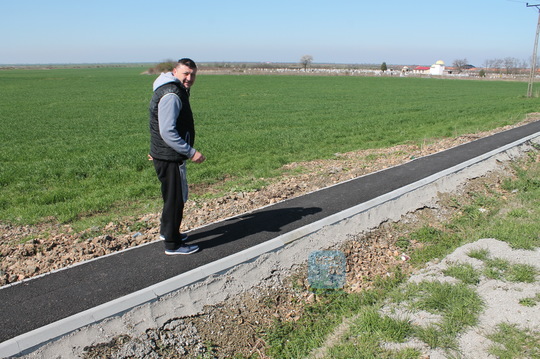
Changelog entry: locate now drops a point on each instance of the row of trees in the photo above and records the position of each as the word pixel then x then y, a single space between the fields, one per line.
pixel 507 65
pixel 510 65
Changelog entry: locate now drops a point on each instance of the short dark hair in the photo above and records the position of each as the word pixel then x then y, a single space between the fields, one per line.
pixel 187 62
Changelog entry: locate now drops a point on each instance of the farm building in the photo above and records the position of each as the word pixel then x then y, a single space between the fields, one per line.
pixel 435 69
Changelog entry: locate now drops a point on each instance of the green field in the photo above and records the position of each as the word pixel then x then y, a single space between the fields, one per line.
pixel 74 141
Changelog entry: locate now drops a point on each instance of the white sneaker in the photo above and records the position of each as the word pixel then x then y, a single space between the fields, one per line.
pixel 183 249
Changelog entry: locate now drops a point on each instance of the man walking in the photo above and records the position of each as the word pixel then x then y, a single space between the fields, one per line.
pixel 172 135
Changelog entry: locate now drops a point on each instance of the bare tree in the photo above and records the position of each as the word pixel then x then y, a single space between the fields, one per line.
pixel 511 64
pixel 459 64
pixel 497 64
pixel 306 60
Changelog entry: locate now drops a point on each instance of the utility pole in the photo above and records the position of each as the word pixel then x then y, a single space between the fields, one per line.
pixel 533 63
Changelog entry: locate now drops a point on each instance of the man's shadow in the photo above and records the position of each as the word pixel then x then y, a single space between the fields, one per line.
pixel 264 223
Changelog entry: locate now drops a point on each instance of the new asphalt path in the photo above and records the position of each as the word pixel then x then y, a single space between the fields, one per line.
pixel 34 303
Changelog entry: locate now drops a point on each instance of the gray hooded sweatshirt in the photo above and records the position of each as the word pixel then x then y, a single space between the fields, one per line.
pixel 168 110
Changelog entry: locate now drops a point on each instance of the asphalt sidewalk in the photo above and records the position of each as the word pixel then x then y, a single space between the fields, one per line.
pixel 39 302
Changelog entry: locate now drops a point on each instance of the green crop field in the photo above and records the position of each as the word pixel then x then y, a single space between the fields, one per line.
pixel 73 142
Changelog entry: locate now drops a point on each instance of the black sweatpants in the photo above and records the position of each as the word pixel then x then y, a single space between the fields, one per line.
pixel 168 174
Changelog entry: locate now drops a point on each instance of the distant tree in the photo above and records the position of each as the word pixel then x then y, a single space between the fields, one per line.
pixel 487 64
pixel 511 64
pixel 482 73
pixel 459 64
pixel 384 67
pixel 497 64
pixel 306 60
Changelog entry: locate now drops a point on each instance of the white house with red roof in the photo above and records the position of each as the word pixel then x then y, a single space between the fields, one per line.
pixel 435 69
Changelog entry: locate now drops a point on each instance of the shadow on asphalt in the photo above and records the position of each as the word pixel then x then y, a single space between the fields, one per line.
pixel 271 221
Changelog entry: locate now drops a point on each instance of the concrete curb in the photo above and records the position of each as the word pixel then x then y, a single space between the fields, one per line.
pixel 27 342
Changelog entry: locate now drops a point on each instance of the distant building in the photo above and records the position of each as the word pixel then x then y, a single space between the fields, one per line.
pixel 437 68
pixel 421 69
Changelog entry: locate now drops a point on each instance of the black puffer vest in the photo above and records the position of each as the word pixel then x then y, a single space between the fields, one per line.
pixel 184 124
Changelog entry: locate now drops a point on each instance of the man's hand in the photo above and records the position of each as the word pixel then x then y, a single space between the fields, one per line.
pixel 198 157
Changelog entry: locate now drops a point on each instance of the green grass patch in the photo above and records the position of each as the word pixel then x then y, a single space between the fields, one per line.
pixel 297 339
pixel 511 342
pixel 464 272
pixel 367 331
pixel 74 141
pixel 494 268
pixel 503 270
pixel 482 216
pixel 457 307
pixel 437 243
pixel 520 227
pixel 481 254
pixel 530 302
pixel 457 304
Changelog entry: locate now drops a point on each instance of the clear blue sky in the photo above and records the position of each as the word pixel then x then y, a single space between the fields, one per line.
pixel 338 31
